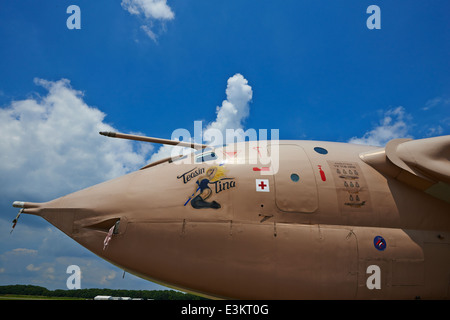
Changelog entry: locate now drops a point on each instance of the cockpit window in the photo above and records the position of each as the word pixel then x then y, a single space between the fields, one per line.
pixel 206 156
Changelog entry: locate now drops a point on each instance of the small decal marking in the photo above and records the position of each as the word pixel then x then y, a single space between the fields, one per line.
pixel 322 173
pixel 379 243
pixel 262 185
pixel 261 169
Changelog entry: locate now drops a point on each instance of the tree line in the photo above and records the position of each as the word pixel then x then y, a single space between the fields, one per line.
pixel 92 293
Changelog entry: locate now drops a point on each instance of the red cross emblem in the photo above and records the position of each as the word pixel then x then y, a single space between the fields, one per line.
pixel 262 185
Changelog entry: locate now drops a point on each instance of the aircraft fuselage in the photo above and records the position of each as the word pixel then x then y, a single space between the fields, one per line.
pixel 323 225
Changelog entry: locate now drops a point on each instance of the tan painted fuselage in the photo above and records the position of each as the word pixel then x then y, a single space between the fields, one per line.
pixel 325 224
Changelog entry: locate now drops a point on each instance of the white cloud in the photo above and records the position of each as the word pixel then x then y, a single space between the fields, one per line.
pixel 106 279
pixel 235 109
pixel 156 9
pixel 393 125
pixel 437 101
pixel 23 251
pixel 50 145
pixel 434 131
pixel 150 10
pixel 230 115
pixel 31 267
pixel 149 32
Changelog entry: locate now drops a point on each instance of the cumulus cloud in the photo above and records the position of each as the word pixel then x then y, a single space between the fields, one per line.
pixel 393 125
pixel 230 115
pixel 235 109
pixel 150 11
pixel 50 145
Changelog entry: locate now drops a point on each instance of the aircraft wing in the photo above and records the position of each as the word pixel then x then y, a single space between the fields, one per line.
pixel 423 164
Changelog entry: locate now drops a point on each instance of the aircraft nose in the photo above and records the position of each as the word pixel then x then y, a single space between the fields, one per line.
pixel 94 208
pixel 51 211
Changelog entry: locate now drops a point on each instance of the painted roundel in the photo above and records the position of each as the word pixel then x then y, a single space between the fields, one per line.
pixel 379 243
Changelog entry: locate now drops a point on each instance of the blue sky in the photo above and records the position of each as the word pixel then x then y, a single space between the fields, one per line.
pixel 312 69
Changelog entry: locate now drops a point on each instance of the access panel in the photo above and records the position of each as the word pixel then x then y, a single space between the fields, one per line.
pixel 295 184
